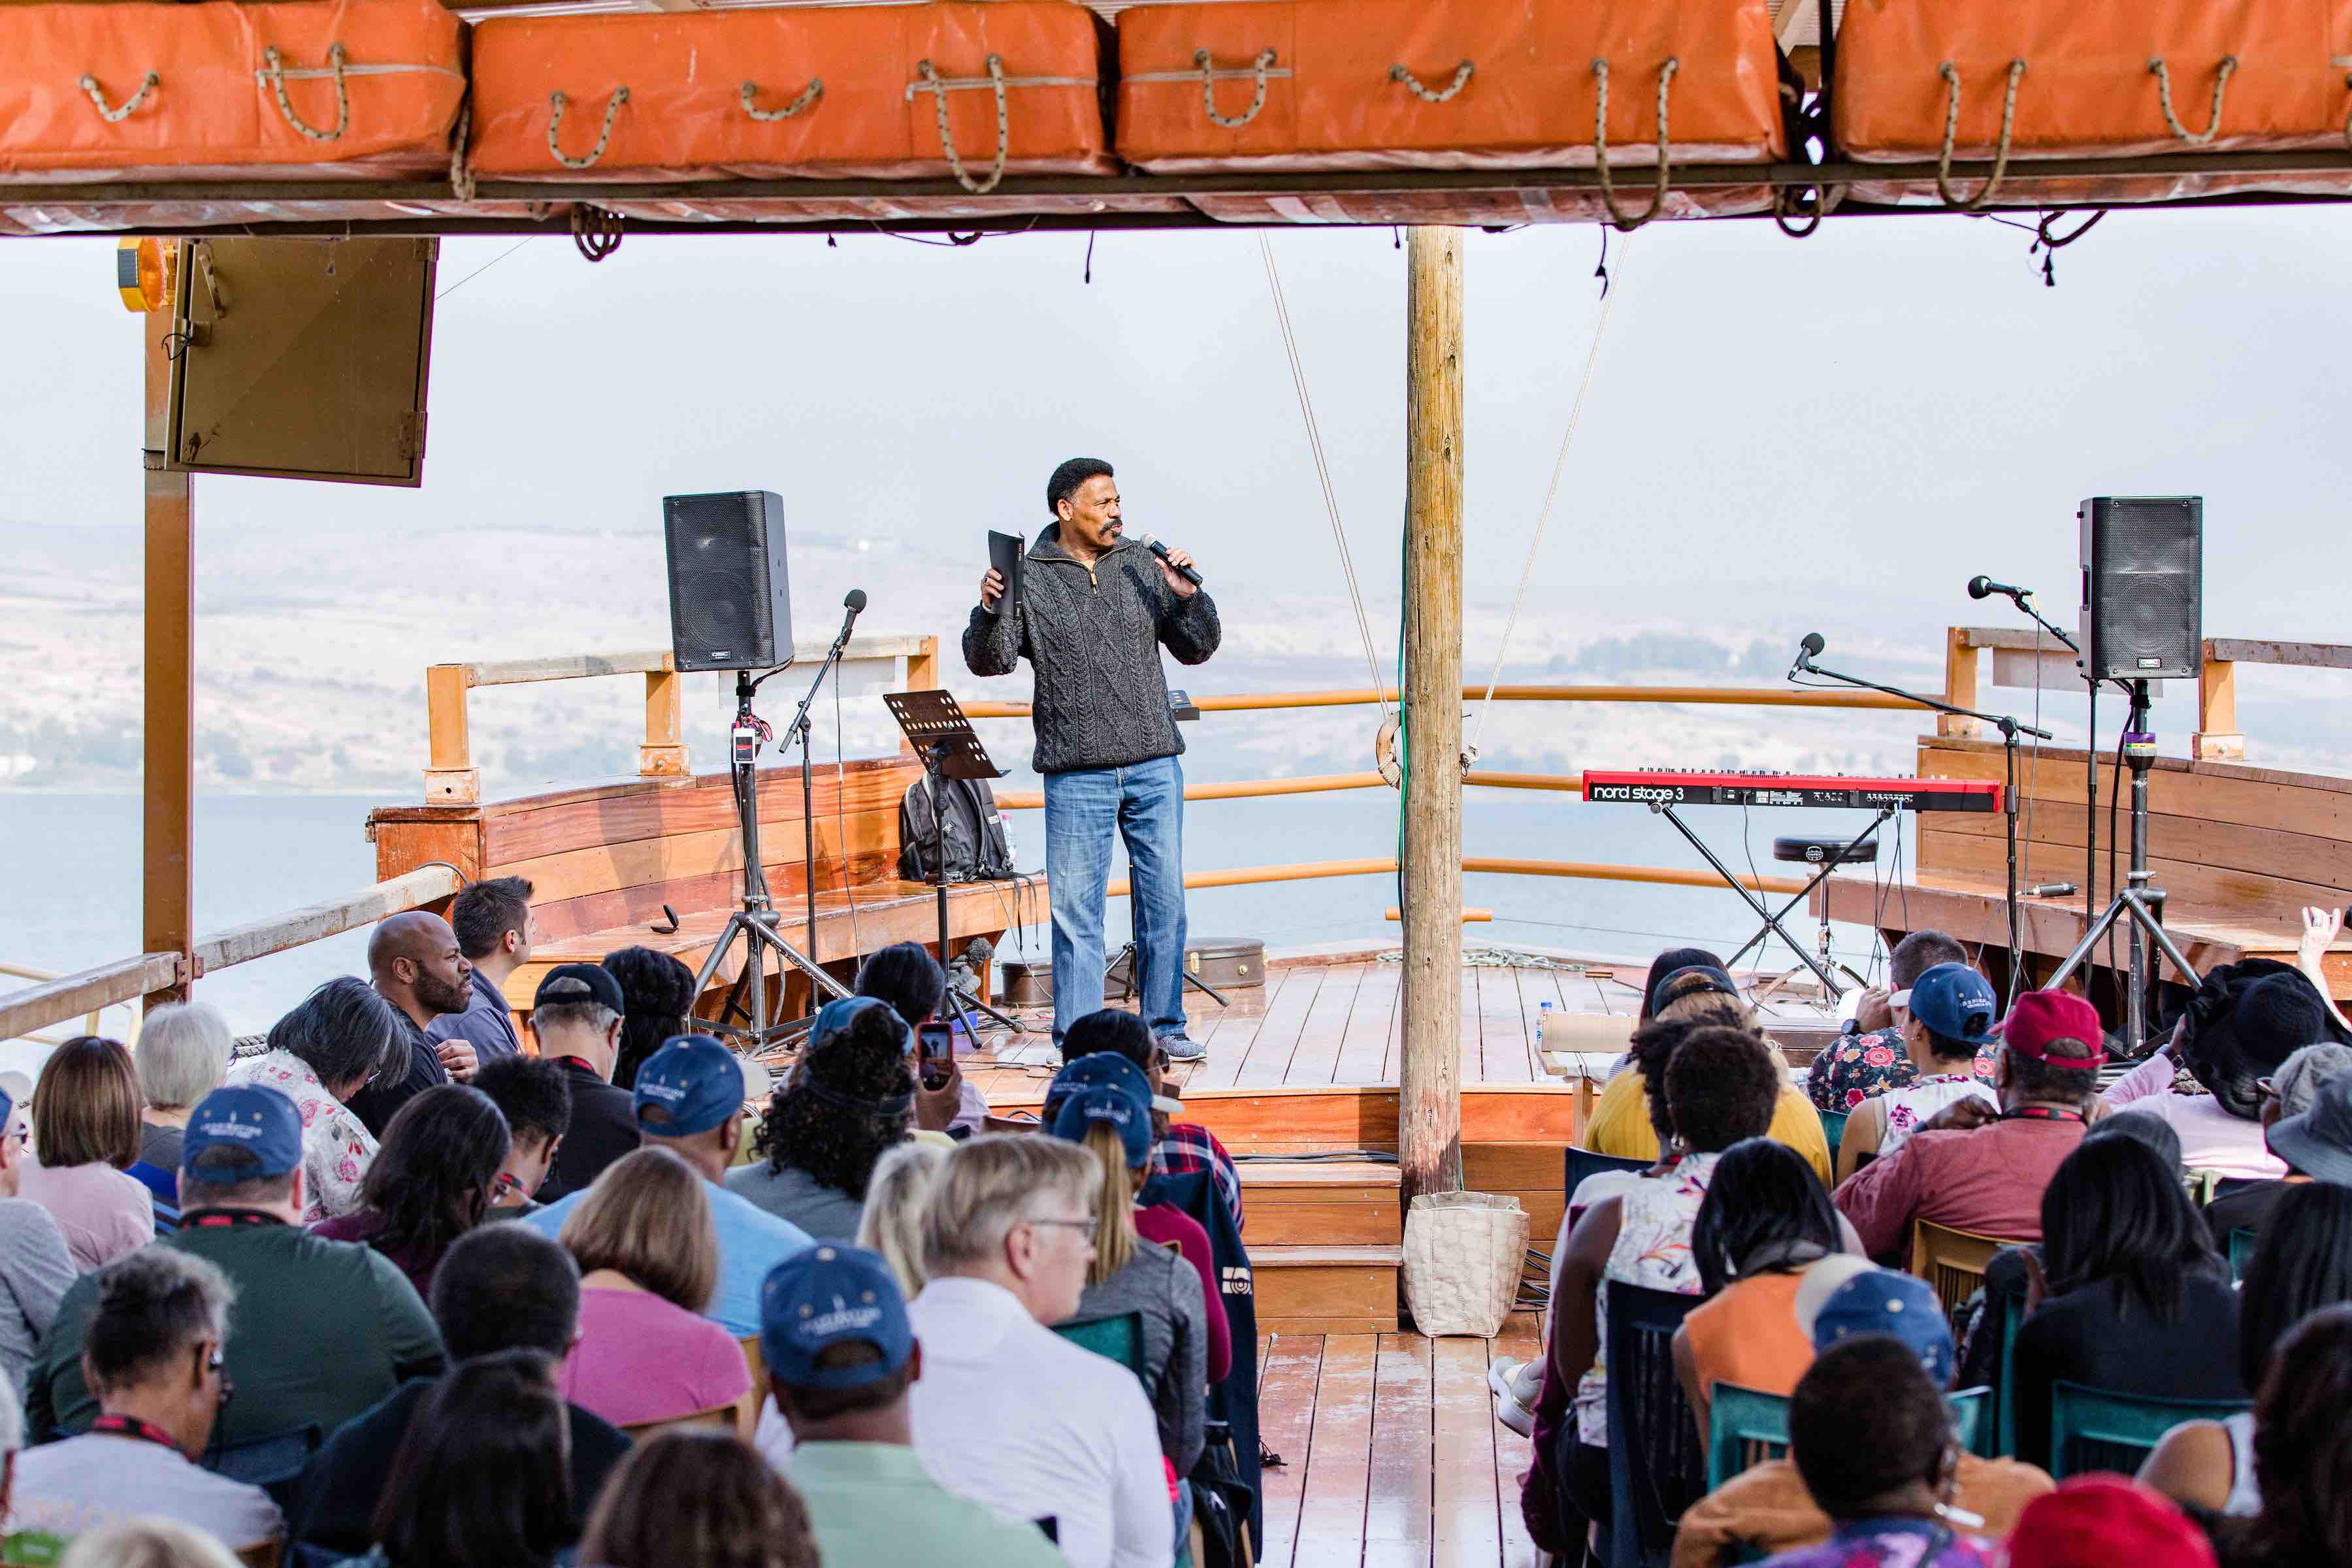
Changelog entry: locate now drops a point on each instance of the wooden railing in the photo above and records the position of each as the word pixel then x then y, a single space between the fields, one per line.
pixel 91 1020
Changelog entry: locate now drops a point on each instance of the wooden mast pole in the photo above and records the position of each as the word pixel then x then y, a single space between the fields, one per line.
pixel 167 903
pixel 1428 1104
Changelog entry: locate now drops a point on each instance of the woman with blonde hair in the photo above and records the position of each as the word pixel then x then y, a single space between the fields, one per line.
pixel 892 1222
pixel 649 1257
pixel 148 1542
pixel 85 1141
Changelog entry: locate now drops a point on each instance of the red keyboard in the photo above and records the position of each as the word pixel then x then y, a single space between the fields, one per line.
pixel 1667 786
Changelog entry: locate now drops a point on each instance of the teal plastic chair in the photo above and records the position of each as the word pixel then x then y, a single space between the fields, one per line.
pixel 2012 1318
pixel 1972 1419
pixel 1745 1429
pixel 2241 1252
pixel 1119 1339
pixel 2099 1430
pixel 1833 1129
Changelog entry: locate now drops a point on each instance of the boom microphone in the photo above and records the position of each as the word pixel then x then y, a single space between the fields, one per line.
pixel 1983 588
pixel 1160 549
pixel 1805 651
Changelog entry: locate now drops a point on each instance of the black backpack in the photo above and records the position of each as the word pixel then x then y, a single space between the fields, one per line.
pixel 976 850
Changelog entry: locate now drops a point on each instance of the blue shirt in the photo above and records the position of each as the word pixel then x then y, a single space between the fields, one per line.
pixel 750 1242
pixel 486 1024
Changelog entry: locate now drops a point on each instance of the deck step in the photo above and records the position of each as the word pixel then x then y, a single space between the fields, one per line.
pixel 1322 1202
pixel 1327 1289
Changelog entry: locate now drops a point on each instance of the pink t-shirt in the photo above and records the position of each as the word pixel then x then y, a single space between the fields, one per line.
pixel 103 1212
pixel 641 1359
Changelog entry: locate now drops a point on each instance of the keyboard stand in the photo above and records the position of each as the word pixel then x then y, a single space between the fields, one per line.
pixel 1772 919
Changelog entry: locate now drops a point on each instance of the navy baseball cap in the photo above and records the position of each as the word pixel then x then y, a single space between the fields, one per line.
pixel 260 1120
pixel 1101 1067
pixel 1901 1306
pixel 697 1082
pixel 839 1013
pixel 556 987
pixel 1955 1002
pixel 826 1295
pixel 1690 981
pixel 1121 1107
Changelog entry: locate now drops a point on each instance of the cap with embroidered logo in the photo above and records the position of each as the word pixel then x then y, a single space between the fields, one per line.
pixel 1115 1105
pixel 833 1294
pixel 1100 1067
pixel 693 1084
pixel 260 1120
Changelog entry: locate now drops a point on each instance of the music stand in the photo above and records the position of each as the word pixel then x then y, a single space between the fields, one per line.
pixel 935 725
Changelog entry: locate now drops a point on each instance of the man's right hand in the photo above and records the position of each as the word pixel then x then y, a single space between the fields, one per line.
pixel 991 589
pixel 1962 1115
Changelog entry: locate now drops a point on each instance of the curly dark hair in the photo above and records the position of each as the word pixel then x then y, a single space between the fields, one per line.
pixel 1652 1047
pixel 534 1094
pixel 1067 476
pixel 829 1118
pixel 1721 1087
pixel 430 1183
pixel 1864 1419
pixel 659 993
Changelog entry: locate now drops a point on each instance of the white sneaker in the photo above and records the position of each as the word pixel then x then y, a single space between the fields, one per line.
pixel 1502 1377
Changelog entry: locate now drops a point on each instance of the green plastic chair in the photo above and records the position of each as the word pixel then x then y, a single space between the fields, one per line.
pixel 1833 1129
pixel 2100 1429
pixel 1119 1339
pixel 2012 1318
pixel 2241 1252
pixel 1745 1427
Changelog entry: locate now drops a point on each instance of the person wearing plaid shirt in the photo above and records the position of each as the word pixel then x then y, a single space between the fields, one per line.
pixel 1189 1146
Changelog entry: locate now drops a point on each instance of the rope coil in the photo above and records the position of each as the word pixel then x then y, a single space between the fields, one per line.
pixel 1601 146
pixel 274 67
pixel 1461 78
pixel 2164 99
pixel 461 173
pixel 1951 75
pixel 556 102
pixel 1209 89
pixel 808 95
pixel 938 88
pixel 88 84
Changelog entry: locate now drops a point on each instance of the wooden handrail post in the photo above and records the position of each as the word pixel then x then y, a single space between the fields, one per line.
pixel 1959 684
pixel 922 675
pixel 168 784
pixel 663 755
pixel 451 778
pixel 2217 738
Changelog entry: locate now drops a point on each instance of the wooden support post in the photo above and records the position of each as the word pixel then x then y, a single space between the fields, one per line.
pixel 167 913
pixel 1429 1102
pixel 922 675
pixel 1960 685
pixel 663 755
pixel 2218 738
pixel 451 778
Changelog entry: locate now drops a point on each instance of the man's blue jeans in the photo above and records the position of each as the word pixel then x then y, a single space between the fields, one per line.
pixel 1146 804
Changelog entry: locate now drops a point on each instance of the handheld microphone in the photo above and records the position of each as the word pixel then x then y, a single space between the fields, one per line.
pixel 853 601
pixel 2049 890
pixel 1160 549
pixel 1805 651
pixel 1983 588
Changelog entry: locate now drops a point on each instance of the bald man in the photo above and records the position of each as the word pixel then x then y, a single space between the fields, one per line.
pixel 414 963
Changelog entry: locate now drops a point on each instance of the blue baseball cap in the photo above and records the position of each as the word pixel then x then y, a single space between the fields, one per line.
pixel 838 1015
pixel 1955 1002
pixel 833 1294
pixel 1101 1067
pixel 697 1084
pixel 1901 1306
pixel 260 1120
pixel 1121 1107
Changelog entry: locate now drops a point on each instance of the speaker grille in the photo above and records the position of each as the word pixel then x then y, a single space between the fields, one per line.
pixel 725 578
pixel 2143 561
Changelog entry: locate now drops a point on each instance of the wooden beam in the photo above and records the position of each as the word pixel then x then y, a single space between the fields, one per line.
pixel 1429 1109
pixel 258 939
pixel 75 995
pixel 663 755
pixel 1960 683
pixel 2251 650
pixel 168 776
pixel 2217 738
pixel 450 777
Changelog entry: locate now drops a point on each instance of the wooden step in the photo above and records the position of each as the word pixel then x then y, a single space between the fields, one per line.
pixel 1320 1202
pixel 1327 1289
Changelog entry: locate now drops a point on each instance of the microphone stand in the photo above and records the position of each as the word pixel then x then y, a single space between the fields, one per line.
pixel 800 725
pixel 2009 731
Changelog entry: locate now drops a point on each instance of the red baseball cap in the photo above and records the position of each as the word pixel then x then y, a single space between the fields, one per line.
pixel 2042 1017
pixel 2093 1521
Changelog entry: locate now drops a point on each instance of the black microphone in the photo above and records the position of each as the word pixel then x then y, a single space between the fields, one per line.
pixel 1160 549
pixel 853 601
pixel 1983 588
pixel 1805 651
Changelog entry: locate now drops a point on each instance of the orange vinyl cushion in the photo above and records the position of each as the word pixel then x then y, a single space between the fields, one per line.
pixel 213 110
pixel 685 117
pixel 1528 102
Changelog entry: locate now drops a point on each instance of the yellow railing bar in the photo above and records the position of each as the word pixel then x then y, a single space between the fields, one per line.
pixel 1732 695
pixel 1303 871
pixel 1314 784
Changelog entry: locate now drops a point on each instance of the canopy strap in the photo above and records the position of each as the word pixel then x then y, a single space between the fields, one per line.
pixel 938 92
pixel 1209 76
pixel 1428 95
pixel 1951 74
pixel 556 103
pixel 1600 145
pixel 274 67
pixel 88 84
pixel 2164 99
pixel 808 95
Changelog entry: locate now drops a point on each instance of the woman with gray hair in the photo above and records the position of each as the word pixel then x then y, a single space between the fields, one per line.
pixel 182 1056
pixel 321 1054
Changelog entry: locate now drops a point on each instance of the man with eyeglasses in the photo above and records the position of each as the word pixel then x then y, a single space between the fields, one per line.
pixel 1007 1412
pixel 154 1353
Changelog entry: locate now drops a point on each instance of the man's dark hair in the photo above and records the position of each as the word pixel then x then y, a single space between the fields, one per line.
pixel 1864 1420
pixel 1652 1047
pixel 906 975
pixel 1721 1087
pixel 570 1004
pixel 2302 1451
pixel 824 1404
pixel 2114 1215
pixel 1666 963
pixel 2046 1080
pixel 2303 1262
pixel 1069 477
pixel 505 1286
pixel 657 992
pixel 483 1476
pixel 344 1031
pixel 1765 1213
pixel 483 913
pixel 432 1179
pixel 1919 953
pixel 834 1117
pixel 153 1305
pixel 1112 1029
pixel 532 1093
pixel 225 1185
pixel 698 1495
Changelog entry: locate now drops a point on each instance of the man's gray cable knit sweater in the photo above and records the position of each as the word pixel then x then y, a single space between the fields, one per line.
pixel 1093 636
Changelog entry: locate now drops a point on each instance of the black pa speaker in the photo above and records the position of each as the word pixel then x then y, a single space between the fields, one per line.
pixel 730 603
pixel 2143 586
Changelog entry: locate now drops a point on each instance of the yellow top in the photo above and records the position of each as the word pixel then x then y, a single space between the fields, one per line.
pixel 1621 1124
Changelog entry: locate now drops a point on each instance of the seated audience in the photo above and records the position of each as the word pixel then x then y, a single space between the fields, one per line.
pixel 1069 1436
pixel 2316 1144
pixel 320 1056
pixel 2096 1521
pixel 1988 1175
pixel 841 1375
pixel 535 1097
pixel 2245 1019
pixel 414 963
pixel 656 1002
pixel 85 1140
pixel 577 1020
pixel 905 975
pixel 2302 1451
pixel 1720 1087
pixel 182 1056
pixel 430 1183
pixel 1621 1125
pixel 1178 1147
pixel 36 1270
pixel 1949 1019
pixel 1869 1059
pixel 1765 1507
pixel 147 1543
pixel 495 932
pixel 501 1288
pixel 648 1257
pixel 1129 1274
pixel 690 1101
pixel 2147 1129
pixel 2303 1263
pixel 1869 1432
pixel 891 1223
pixel 323 1329
pixel 2137 1301
pixel 482 1479
pixel 850 1100
pixel 154 1352
pixel 696 1497
pixel 1765 1219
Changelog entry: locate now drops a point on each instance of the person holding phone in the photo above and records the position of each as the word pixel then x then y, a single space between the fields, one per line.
pixel 1096 608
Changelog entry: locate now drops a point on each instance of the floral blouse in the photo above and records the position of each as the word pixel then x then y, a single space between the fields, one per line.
pixel 1855 1067
pixel 336 1148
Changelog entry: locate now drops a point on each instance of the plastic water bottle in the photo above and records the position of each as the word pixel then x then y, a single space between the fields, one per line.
pixel 1543 1012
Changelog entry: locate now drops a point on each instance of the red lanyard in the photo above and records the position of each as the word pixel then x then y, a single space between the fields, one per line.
pixel 132 1427
pixel 2043 1113
pixel 225 1219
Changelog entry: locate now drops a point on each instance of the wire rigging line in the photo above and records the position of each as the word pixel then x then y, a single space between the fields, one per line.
pixel 1543 520
pixel 1323 473
pixel 485 267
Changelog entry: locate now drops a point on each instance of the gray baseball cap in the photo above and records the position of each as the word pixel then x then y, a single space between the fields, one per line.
pixel 2319 1141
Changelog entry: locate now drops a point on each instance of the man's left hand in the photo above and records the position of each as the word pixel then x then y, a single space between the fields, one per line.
pixel 458 1059
pixel 1176 584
